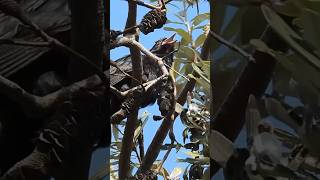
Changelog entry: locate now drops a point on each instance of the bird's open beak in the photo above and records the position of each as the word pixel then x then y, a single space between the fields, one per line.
pixel 170 40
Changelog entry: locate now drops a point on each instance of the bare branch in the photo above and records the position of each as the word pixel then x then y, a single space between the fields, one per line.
pixel 141 3
pixel 232 46
pixel 129 42
pixel 127 143
pixel 36 106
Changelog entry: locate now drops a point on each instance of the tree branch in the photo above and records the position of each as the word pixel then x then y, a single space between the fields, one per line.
pixel 36 106
pixel 231 46
pixel 129 42
pixel 127 143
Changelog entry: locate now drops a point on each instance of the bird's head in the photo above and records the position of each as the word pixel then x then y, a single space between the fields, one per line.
pixel 164 46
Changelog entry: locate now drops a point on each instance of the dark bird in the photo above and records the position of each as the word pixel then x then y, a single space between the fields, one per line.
pixel 23 65
pixel 162 48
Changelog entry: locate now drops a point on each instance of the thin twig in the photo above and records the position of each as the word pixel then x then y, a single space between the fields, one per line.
pixel 164 158
pixel 146 85
pixel 167 65
pixel 115 91
pixel 147 5
pixel 137 154
pixel 232 46
pixel 141 3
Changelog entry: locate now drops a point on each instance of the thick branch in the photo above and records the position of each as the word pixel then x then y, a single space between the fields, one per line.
pixel 155 146
pixel 36 106
pixel 127 143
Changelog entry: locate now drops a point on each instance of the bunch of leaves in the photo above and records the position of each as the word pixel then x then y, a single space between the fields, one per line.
pixel 292 99
pixel 195 117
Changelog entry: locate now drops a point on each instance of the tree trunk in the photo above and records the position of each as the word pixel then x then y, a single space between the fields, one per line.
pixel 86 36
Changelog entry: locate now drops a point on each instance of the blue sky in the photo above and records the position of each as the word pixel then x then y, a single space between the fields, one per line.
pixel 118 17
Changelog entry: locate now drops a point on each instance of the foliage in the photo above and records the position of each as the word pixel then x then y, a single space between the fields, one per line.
pixel 285 124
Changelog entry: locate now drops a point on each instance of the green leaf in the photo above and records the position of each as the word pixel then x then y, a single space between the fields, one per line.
pixel 200 18
pixel 288 8
pixel 200 72
pixel 178 108
pixel 115 132
pixel 202 160
pixel 261 46
pixel 276 109
pixel 302 71
pixel 200 40
pixel 288 34
pixel 174 22
pixel 184 34
pixel 295 77
pixel 180 18
pixel 143 119
pixel 187 52
pixel 221 148
pixel 175 173
pixel 193 154
pixel 163 172
pixel 311 4
pixel 311 25
pixel 185 134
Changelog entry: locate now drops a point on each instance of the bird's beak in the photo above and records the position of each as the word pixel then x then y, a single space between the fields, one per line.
pixel 170 40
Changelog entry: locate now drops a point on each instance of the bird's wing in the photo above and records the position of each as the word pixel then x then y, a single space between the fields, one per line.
pixel 13 58
pixel 115 74
pixel 53 16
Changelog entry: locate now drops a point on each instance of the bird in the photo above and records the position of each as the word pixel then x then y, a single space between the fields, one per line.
pixel 162 48
pixel 52 16
pixel 23 65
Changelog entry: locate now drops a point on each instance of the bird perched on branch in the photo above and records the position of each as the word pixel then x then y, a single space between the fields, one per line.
pixel 23 64
pixel 162 48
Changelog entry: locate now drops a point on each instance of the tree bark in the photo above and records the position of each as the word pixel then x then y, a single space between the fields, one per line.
pixel 85 37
